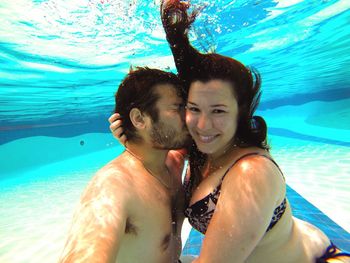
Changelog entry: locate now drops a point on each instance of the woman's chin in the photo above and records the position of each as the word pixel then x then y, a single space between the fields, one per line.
pixel 205 148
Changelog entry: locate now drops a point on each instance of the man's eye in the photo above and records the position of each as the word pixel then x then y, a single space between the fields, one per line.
pixel 192 109
pixel 179 107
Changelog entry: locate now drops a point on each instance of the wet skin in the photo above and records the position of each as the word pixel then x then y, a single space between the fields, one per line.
pixel 132 209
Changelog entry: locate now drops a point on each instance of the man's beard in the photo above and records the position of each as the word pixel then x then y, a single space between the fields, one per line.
pixel 164 137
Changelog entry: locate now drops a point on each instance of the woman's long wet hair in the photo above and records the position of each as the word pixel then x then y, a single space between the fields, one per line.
pixel 193 65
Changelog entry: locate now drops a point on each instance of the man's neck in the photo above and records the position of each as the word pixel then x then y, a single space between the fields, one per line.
pixel 153 159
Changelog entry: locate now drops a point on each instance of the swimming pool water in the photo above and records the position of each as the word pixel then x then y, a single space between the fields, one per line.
pixel 61 62
pixel 37 204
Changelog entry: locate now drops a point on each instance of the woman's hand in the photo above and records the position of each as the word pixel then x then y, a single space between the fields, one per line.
pixel 175 18
pixel 116 127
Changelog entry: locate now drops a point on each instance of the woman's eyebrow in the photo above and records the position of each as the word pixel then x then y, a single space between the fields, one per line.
pixel 219 105
pixel 213 106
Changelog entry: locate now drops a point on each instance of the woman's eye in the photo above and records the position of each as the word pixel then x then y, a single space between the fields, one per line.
pixel 218 111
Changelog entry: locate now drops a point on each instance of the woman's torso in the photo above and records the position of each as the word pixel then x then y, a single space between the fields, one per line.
pixel 287 239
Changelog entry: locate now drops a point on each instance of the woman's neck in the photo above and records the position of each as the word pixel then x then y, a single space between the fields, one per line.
pixel 220 159
pixel 222 153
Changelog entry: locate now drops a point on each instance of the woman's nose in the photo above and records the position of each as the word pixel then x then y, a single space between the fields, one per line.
pixel 204 123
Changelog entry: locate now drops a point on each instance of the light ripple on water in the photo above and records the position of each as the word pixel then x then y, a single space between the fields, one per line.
pixel 320 173
pixel 37 208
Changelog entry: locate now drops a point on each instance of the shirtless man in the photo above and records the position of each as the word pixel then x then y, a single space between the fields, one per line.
pixel 132 209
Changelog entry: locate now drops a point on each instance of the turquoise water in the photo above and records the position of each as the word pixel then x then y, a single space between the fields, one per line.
pixel 61 62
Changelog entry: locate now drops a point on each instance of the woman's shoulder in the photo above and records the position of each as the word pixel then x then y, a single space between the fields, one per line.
pixel 255 169
pixel 254 161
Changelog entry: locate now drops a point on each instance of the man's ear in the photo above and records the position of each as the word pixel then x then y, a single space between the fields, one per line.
pixel 137 118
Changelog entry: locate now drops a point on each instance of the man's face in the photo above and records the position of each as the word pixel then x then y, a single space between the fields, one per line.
pixel 170 131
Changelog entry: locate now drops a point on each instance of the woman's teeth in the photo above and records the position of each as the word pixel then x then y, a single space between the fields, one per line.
pixel 206 139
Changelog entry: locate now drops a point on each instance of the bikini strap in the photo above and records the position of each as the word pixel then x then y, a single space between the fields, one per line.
pixel 250 154
pixel 332 252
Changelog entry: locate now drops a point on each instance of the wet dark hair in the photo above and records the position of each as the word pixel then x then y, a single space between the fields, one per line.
pixel 193 65
pixel 137 90
pixel 245 87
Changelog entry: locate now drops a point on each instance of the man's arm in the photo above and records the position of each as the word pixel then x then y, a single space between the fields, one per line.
pixel 176 161
pixel 99 222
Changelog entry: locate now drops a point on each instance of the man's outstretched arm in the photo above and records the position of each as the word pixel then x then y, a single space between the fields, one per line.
pixel 99 223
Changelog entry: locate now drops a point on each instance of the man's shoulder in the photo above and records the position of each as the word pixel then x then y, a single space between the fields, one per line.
pixel 119 167
pixel 116 167
pixel 112 177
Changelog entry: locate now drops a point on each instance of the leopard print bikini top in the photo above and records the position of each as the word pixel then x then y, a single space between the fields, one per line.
pixel 200 213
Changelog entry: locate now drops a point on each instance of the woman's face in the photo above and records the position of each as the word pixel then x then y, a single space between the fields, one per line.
pixel 211 115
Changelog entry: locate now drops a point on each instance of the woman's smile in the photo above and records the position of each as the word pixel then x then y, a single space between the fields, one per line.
pixel 206 138
pixel 211 115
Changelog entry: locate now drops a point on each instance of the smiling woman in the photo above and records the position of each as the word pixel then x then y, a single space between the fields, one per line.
pixel 211 116
pixel 60 64
pixel 236 192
